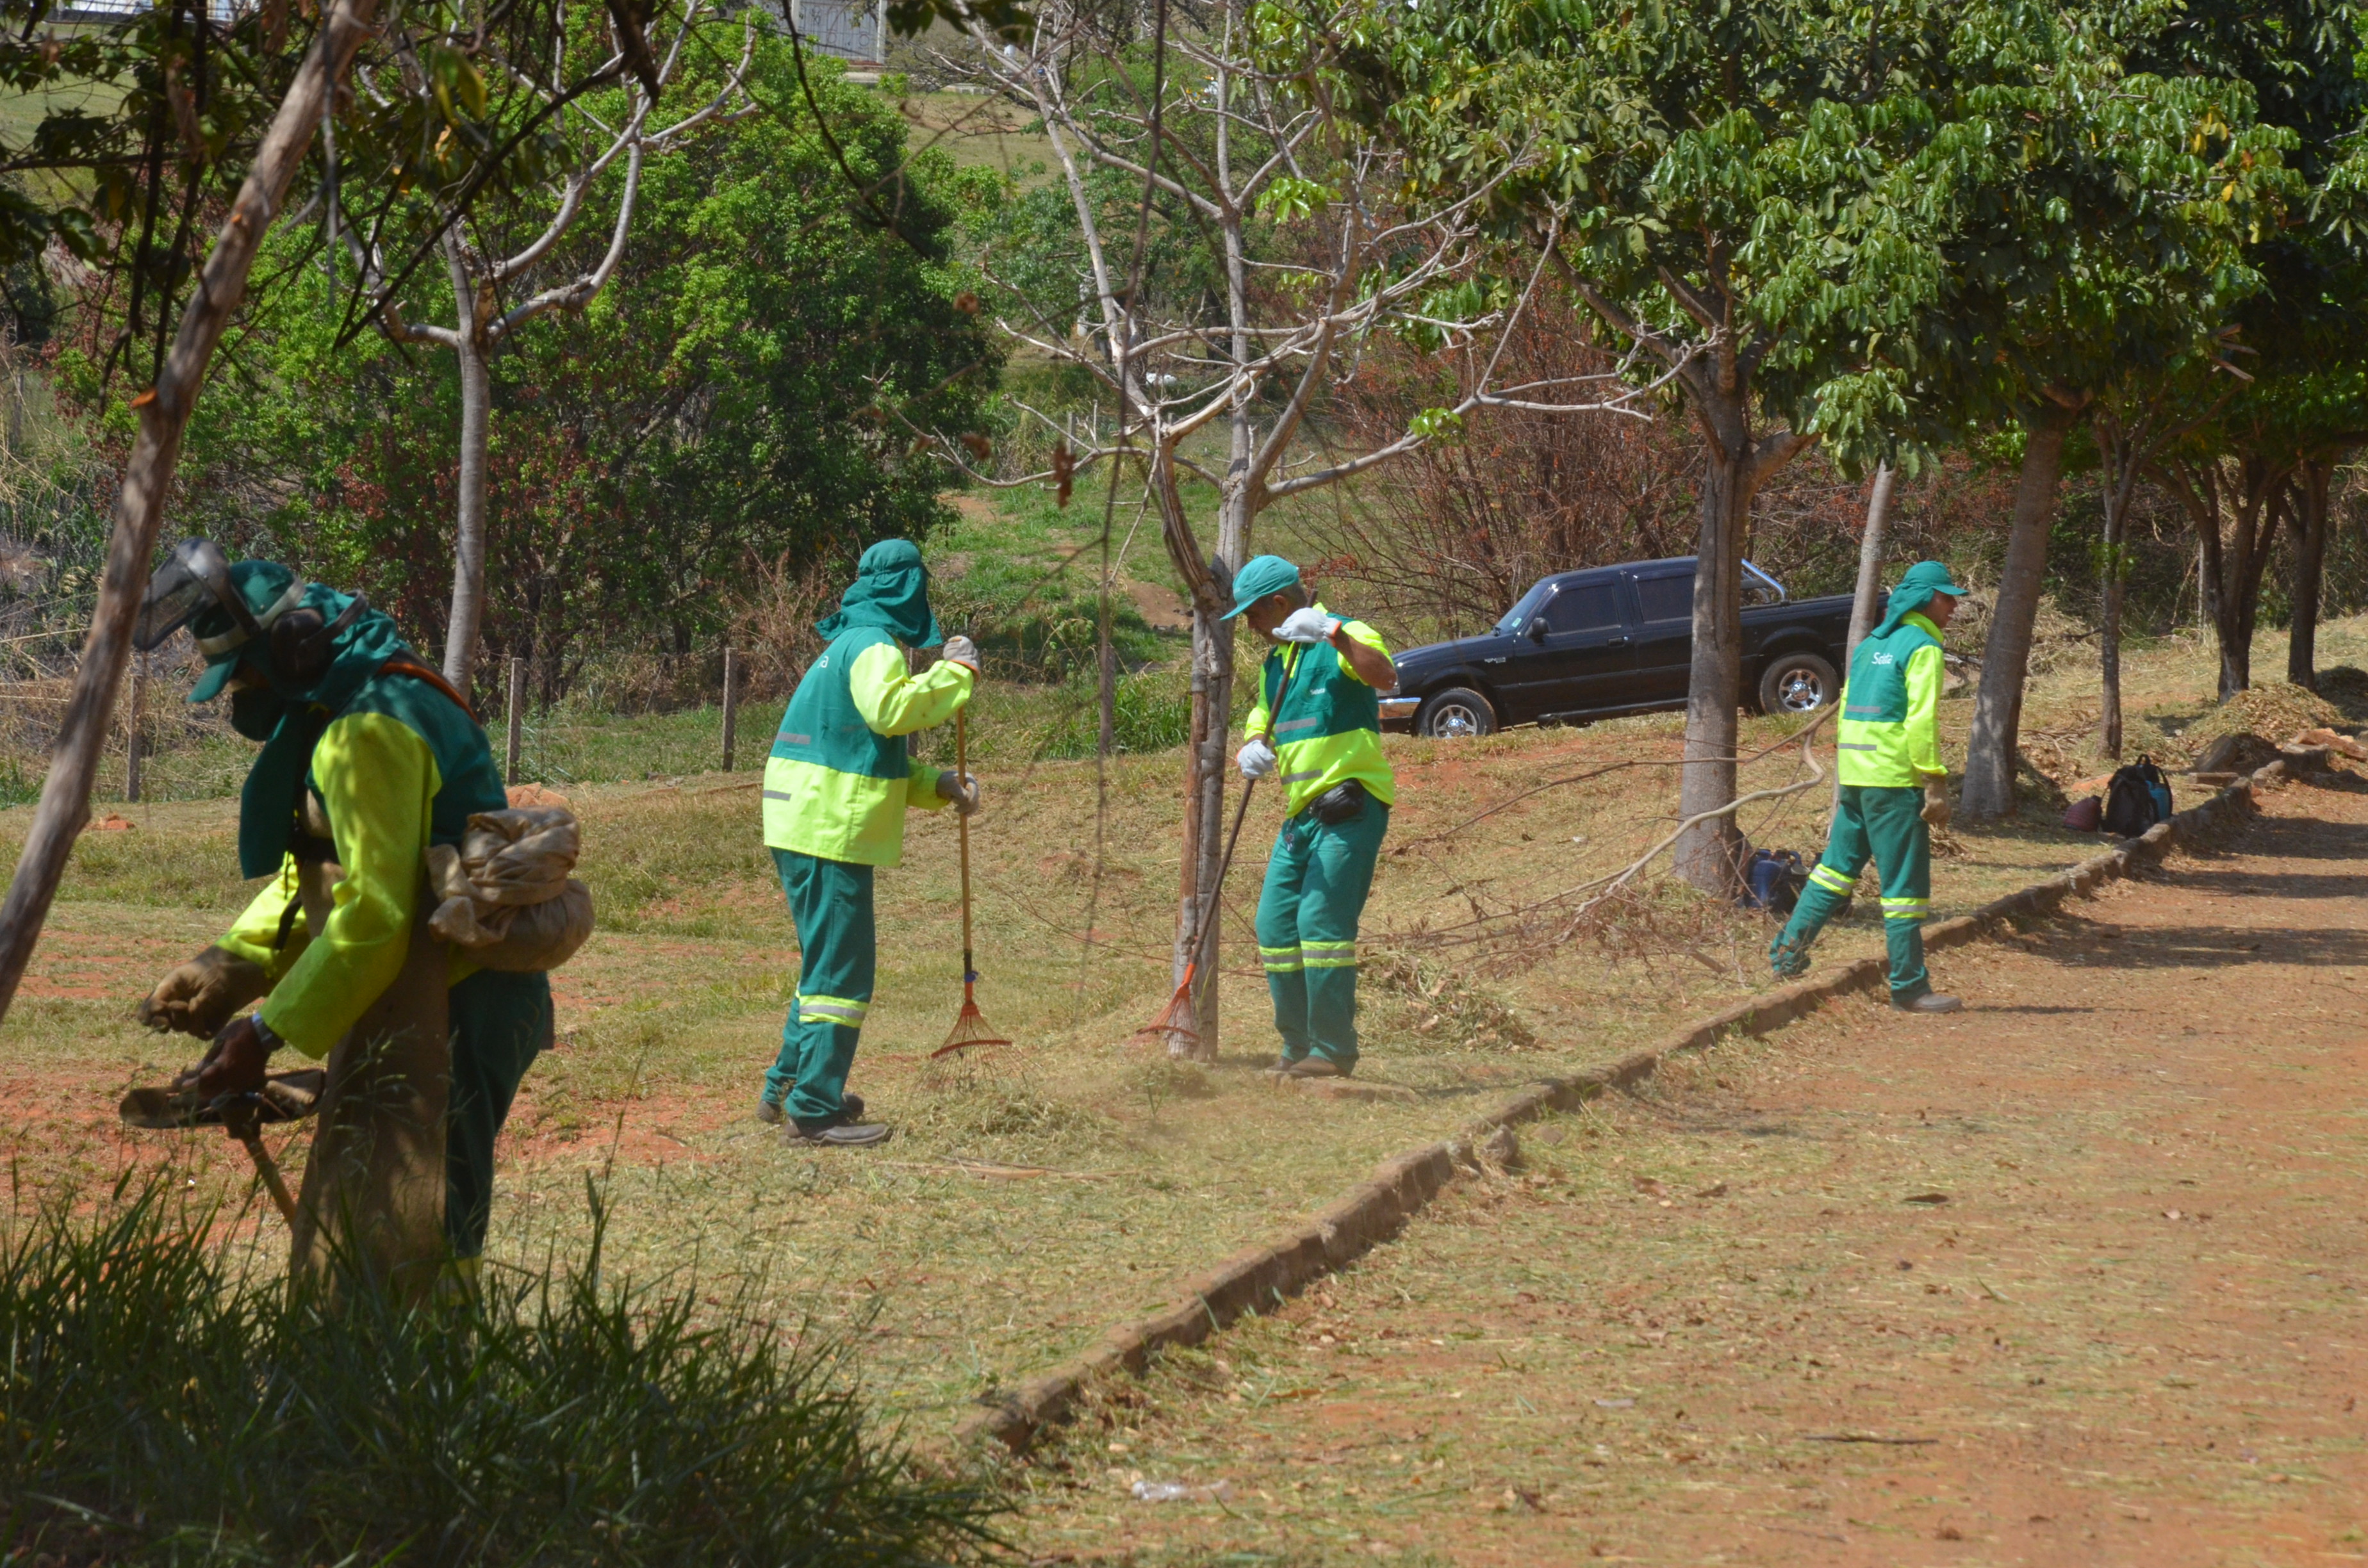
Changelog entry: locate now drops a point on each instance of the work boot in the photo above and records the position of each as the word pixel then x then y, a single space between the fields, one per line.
pixel 772 1113
pixel 836 1134
pixel 1925 1001
pixel 1314 1067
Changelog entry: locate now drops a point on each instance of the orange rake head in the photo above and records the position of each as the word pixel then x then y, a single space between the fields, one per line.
pixel 1178 1023
pixel 970 1026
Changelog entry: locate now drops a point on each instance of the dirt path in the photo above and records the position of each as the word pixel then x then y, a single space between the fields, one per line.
pixel 2074 1278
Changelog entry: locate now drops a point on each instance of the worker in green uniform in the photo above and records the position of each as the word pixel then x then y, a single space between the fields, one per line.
pixel 368 758
pixel 1894 789
pixel 1317 722
pixel 837 788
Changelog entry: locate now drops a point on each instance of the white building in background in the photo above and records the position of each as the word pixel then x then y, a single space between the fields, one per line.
pixel 853 30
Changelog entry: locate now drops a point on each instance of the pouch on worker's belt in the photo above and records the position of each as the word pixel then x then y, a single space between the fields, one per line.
pixel 285 1096
pixel 506 898
pixel 1342 802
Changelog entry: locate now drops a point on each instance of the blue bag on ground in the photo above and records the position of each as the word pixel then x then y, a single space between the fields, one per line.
pixel 1774 879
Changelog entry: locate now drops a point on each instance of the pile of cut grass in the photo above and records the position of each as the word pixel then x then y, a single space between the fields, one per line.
pixel 169 1400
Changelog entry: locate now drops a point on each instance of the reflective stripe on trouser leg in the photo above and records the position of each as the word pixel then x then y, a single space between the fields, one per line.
pixel 1315 896
pixel 1830 881
pixel 1902 847
pixel 501 1022
pixel 831 903
pixel 1280 960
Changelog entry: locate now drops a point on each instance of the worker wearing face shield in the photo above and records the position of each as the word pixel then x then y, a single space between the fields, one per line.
pixel 367 758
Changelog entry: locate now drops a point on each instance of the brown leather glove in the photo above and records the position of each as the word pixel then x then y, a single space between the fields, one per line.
pixel 237 1062
pixel 199 997
pixel 1936 804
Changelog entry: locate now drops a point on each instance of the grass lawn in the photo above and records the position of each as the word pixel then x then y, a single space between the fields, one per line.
pixel 1033 1197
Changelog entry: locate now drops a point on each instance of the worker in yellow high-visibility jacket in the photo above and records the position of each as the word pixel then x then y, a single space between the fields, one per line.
pixel 836 788
pixel 1316 723
pixel 1894 789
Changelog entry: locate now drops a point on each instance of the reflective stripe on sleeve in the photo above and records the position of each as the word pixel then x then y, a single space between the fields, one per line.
pixel 1826 877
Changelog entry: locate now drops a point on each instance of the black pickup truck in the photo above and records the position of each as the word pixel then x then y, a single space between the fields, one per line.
pixel 1615 640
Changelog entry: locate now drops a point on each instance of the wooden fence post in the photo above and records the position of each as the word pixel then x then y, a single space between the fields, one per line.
pixel 517 720
pixel 731 703
pixel 131 746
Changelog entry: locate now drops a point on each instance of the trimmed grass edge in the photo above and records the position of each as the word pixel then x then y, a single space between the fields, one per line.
pixel 1402 1187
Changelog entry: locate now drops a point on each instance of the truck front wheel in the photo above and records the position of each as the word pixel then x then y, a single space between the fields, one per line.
pixel 1797 683
pixel 1457 712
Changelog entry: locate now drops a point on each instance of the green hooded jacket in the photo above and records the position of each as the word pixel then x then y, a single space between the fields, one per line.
pixel 840 778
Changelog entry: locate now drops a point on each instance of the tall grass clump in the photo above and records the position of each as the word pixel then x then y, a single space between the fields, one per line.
pixel 163 1399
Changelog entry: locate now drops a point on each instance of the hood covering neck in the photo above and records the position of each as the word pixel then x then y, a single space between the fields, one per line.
pixel 274 784
pixel 1923 580
pixel 892 592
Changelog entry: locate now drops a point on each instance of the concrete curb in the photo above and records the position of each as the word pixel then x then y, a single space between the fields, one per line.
pixel 1400 1188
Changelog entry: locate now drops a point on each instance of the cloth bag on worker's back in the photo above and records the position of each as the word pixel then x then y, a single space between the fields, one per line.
pixel 508 899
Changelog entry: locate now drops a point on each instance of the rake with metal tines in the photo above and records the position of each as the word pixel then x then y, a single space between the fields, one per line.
pixel 1178 1023
pixel 970 1024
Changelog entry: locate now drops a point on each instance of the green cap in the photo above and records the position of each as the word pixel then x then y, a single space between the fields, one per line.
pixel 1261 575
pixel 1916 589
pixel 271 590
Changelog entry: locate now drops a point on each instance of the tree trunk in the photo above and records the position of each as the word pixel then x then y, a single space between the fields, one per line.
pixel 2109 635
pixel 2120 448
pixel 1865 611
pixel 2313 481
pixel 468 536
pixel 164 412
pixel 2006 657
pixel 1709 855
pixel 1870 580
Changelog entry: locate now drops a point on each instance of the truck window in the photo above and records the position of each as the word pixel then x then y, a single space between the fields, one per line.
pixel 1517 618
pixel 1666 599
pixel 1584 607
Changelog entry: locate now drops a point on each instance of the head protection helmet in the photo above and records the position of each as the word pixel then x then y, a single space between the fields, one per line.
pixel 255 601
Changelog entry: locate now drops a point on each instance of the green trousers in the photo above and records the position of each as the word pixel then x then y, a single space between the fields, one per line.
pixel 501 1022
pixel 1315 893
pixel 1888 824
pixel 838 952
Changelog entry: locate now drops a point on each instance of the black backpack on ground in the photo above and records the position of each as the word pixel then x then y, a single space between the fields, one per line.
pixel 2137 797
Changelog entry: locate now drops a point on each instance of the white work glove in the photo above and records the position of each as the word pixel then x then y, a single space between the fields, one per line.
pixel 1936 804
pixel 962 789
pixel 1308 625
pixel 1256 759
pixel 961 651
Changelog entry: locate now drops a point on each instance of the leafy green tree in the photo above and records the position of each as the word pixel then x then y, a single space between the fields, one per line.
pixel 2269 457
pixel 2105 234
pixel 1756 196
pixel 722 402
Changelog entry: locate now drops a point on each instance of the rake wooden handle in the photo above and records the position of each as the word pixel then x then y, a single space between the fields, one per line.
pixel 962 777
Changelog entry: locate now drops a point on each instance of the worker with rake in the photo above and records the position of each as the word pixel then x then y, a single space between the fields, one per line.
pixel 1317 721
pixel 1894 789
pixel 837 788
pixel 368 758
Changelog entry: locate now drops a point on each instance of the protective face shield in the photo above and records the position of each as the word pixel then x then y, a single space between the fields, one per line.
pixel 194 579
pixel 295 639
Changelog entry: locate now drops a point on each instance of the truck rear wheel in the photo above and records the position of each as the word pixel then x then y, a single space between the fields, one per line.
pixel 1797 683
pixel 1455 712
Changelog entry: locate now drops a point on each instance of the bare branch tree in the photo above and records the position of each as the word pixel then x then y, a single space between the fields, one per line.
pixel 1248 161
pixel 484 280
